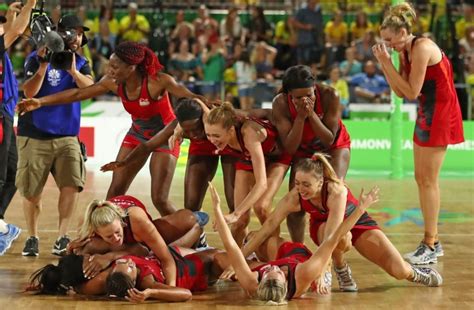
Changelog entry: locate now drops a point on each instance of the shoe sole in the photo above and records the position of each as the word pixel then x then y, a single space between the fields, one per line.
pixel 422 263
pixel 29 254
pixel 58 253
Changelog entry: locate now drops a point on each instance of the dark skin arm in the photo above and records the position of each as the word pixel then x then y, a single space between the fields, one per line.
pixel 326 128
pixel 149 288
pixel 290 132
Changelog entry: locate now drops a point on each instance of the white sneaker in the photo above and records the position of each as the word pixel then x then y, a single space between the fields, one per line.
pixel 427 276
pixel 344 277
pixel 422 255
pixel 439 249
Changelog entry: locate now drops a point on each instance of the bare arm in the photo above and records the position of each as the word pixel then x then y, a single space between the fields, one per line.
pixel 177 90
pixel 421 54
pixel 310 270
pixel 326 129
pixel 159 291
pixel 288 204
pixel 245 276
pixel 290 133
pixel 144 230
pixel 337 206
pixel 19 24
pixel 33 85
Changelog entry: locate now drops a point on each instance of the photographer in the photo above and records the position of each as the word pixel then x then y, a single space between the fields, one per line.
pixel 47 137
pixel 11 29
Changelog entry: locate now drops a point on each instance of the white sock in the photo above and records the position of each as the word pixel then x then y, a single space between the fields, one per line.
pixel 3 227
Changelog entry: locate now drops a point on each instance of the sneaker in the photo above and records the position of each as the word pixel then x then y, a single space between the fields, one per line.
pixel 422 255
pixel 59 247
pixel 7 238
pixel 438 249
pixel 202 242
pixel 344 277
pixel 426 276
pixel 31 247
pixel 201 218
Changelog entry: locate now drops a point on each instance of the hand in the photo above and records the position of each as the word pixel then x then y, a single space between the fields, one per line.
pixel 73 70
pixel 228 273
pixel 112 166
pixel 177 137
pixel 15 7
pixel 137 296
pixel 366 200
pixel 31 3
pixel 380 52
pixel 304 109
pixel 321 286
pixel 94 264
pixel 216 200
pixel 231 218
pixel 75 245
pixel 27 105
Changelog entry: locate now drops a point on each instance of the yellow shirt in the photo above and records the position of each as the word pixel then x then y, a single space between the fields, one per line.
pixel 461 26
pixel 135 35
pixel 342 90
pixel 113 26
pixel 358 32
pixel 281 32
pixel 336 32
pixel 230 77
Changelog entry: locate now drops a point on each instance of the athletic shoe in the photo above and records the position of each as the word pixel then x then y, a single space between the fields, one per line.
pixel 426 276
pixel 202 242
pixel 7 238
pixel 344 277
pixel 422 255
pixel 201 218
pixel 31 247
pixel 439 249
pixel 60 246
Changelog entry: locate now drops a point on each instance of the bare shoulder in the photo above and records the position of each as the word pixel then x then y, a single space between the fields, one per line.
pixel 336 189
pixel 280 105
pixel 251 129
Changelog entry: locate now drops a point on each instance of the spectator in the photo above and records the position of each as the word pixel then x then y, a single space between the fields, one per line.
pixel 466 20
pixel 101 48
pixel 364 46
pixel 341 87
pixel 245 77
pixel 203 20
pixel 47 138
pixel 350 66
pixel 213 60
pixel 370 86
pixel 12 27
pixel 106 15
pixel 184 66
pixel 263 58
pixel 467 42
pixel 134 27
pixel 308 23
pixel 285 41
pixel 336 38
pixel 360 26
pixel 56 14
pixel 231 27
pixel 259 28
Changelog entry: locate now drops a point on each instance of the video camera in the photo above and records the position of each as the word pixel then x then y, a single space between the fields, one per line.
pixel 43 34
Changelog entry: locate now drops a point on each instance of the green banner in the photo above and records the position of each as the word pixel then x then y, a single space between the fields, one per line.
pixel 371 145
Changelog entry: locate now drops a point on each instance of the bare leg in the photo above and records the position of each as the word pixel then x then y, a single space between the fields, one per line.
pixel 32 208
pixel 179 228
pixel 123 177
pixel 340 159
pixel 428 162
pixel 199 170
pixel 343 246
pixel 228 169
pixel 162 166
pixel 244 181
pixel 67 203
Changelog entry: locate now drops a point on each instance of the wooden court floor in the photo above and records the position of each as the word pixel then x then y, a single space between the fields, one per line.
pixel 397 213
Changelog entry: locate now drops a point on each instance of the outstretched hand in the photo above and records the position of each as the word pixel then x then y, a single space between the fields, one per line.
pixel 27 105
pixel 137 296
pixel 112 166
pixel 366 200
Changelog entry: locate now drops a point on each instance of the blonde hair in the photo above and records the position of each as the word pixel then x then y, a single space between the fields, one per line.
pixel 224 115
pixel 400 16
pixel 319 165
pixel 273 291
pixel 99 213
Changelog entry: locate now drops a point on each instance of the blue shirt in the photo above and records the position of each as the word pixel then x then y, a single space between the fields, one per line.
pixel 314 17
pixel 376 84
pixel 56 120
pixel 10 87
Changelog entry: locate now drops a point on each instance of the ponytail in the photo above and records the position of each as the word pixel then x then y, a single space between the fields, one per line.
pixel 99 213
pixel 319 165
pixel 400 16
pixel 224 115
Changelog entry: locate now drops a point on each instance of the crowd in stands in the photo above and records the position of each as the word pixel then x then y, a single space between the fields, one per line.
pixel 242 59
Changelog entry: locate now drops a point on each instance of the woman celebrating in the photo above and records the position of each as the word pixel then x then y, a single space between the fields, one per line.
pixel 124 220
pixel 426 74
pixel 294 269
pixel 308 118
pixel 319 192
pixel 255 141
pixel 134 76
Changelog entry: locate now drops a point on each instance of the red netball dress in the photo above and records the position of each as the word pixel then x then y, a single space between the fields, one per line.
pixel 290 254
pixel 125 202
pixel 439 118
pixel 310 143
pixel 149 116
pixel 271 150
pixel 318 216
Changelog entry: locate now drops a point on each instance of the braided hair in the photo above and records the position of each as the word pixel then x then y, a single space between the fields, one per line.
pixel 144 58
